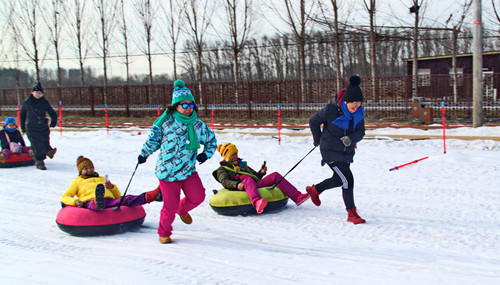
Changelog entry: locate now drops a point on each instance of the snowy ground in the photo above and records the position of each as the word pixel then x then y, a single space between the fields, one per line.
pixel 433 222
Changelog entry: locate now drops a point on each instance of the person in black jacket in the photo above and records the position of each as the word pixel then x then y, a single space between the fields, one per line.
pixel 12 140
pixel 35 125
pixel 343 126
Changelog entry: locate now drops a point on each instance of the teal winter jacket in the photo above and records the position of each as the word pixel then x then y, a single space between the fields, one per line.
pixel 175 163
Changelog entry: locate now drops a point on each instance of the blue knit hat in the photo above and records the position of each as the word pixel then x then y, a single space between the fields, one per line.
pixel 9 120
pixel 181 93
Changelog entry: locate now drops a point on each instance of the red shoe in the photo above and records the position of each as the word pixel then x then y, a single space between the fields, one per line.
pixel 302 198
pixel 260 205
pixel 153 195
pixel 353 217
pixel 311 190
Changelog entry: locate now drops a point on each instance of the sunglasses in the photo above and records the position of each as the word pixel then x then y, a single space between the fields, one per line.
pixel 186 105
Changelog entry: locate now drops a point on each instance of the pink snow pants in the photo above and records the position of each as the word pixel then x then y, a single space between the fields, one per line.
pixel 8 153
pixel 251 187
pixel 194 193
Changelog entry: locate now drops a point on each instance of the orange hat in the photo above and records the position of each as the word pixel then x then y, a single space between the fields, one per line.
pixel 227 150
pixel 82 162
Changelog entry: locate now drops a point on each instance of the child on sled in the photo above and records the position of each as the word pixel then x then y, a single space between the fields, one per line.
pixel 12 140
pixel 95 192
pixel 235 174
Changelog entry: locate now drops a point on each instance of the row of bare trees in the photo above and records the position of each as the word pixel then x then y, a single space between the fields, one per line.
pixel 220 40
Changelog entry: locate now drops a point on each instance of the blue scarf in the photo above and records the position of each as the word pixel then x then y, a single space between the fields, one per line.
pixel 343 121
pixel 10 130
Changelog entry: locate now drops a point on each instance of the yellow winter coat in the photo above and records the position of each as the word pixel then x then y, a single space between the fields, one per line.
pixel 84 189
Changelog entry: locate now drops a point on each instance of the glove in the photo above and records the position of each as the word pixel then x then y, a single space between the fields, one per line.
pixel 202 157
pixel 53 124
pixel 141 159
pixel 315 143
pixel 346 140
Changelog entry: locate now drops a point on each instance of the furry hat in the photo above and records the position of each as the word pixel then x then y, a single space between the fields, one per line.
pixel 227 150
pixel 37 87
pixel 82 162
pixel 353 92
pixel 181 93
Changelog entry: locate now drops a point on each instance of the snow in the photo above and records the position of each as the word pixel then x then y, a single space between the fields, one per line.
pixel 432 222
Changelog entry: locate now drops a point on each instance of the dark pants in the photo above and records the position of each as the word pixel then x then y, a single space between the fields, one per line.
pixel 128 200
pixel 40 142
pixel 342 176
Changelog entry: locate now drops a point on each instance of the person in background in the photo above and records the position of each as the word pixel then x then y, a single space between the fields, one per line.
pixel 12 140
pixel 235 174
pixel 34 123
pixel 178 133
pixel 96 193
pixel 343 127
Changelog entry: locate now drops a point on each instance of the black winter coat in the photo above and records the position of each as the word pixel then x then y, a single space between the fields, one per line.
pixel 331 147
pixel 13 137
pixel 33 115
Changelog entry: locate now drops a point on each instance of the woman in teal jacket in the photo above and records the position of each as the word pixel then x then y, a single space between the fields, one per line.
pixel 178 134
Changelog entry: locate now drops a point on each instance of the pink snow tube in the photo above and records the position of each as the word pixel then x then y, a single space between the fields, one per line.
pixel 84 222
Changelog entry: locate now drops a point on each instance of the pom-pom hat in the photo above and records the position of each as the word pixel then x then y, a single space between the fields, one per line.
pixel 353 92
pixel 37 87
pixel 181 93
pixel 82 162
pixel 227 150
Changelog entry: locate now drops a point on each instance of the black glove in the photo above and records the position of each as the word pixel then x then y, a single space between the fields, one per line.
pixel 346 140
pixel 202 157
pixel 141 159
pixel 315 143
pixel 53 124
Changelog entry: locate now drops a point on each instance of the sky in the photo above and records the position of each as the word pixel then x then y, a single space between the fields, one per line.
pixel 432 222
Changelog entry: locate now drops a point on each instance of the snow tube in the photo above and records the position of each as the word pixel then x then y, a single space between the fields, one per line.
pixel 84 222
pixel 15 160
pixel 232 203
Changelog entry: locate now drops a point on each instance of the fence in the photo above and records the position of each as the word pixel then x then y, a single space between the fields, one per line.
pixel 259 99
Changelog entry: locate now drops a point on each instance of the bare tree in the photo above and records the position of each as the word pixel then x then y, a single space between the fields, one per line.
pixel 239 18
pixel 146 12
pixel 416 10
pixel 54 24
pixel 106 11
pixel 27 29
pixel 123 29
pixel 78 39
pixel 198 16
pixel 173 22
pixel 495 11
pixel 296 19
pixel 372 8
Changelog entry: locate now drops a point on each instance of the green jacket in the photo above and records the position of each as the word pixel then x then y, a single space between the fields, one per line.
pixel 228 176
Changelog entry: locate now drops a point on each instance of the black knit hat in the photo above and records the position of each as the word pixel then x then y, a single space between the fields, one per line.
pixel 37 87
pixel 353 92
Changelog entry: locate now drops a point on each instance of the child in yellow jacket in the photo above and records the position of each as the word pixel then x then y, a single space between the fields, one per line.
pixel 94 192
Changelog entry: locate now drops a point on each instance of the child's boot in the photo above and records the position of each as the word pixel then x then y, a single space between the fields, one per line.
pixel 314 194
pixel 353 217
pixel 302 198
pixel 165 240
pixel 99 197
pixel 40 165
pixel 153 195
pixel 2 157
pixel 260 205
pixel 187 219
pixel 51 153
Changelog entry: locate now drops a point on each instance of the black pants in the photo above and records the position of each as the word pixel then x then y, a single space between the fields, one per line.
pixel 40 142
pixel 342 176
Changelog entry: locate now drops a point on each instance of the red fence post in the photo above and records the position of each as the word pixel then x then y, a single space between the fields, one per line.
pixel 279 124
pixel 444 127
pixel 18 111
pixel 60 117
pixel 106 115
pixel 213 117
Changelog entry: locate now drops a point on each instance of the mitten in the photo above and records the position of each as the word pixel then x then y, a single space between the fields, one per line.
pixel 202 157
pixel 53 124
pixel 141 159
pixel 346 140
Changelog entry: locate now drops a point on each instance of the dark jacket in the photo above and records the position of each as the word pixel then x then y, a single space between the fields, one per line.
pixel 230 178
pixel 13 137
pixel 331 147
pixel 33 115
